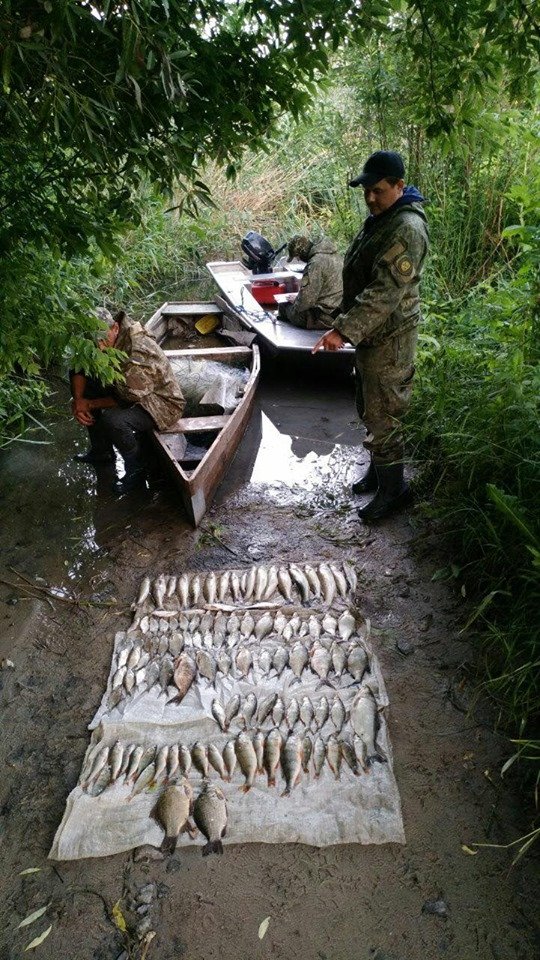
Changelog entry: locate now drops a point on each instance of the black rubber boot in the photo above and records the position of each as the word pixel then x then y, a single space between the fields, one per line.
pixel 393 493
pixel 368 483
pixel 135 475
pixel 94 456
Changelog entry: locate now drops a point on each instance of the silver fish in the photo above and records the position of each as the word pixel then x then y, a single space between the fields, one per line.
pixel 313 580
pixel 208 640
pixel 159 589
pixel 271 584
pixel 333 755
pixel 99 762
pixel 144 591
pixel 207 622
pixel 280 622
pixel 129 680
pixel 171 587
pixel 200 758
pixel 218 714
pixel 176 644
pixel 349 756
pixel 143 780
pixel 122 658
pixel 301 581
pixel 167 671
pixel 285 583
pixel 235 587
pixel 271 756
pixel 173 761
pixel 223 585
pixel 210 588
pixel 153 625
pixel 339 658
pixel 247 625
pixel 303 629
pixel 247 759
pixel 101 782
pixel 292 712
pixel 206 665
pixel 307 750
pixel 163 646
pixel 182 589
pixel 126 757
pixel 295 622
pixel 233 623
pixel 320 661
pixel 184 673
pixel 346 625
pixel 306 712
pixel 243 661
pixel 266 706
pixel 172 813
pixel 161 764
pixel 261 581
pixel 321 712
pixel 220 630
pixel 360 751
pixel 280 659
pixel 265 661
pixel 298 658
pixel 224 662
pixel 249 709
pixel 185 759
pixel 251 578
pixel 115 697
pixel 210 815
pixel 229 758
pixel 278 712
pixel 350 573
pixel 134 762
pixel 264 626
pixel 329 624
pixel 291 762
pixel 152 673
pixel 231 710
pixel 328 583
pixel 258 746
pixel 145 625
pixel 314 628
pixel 196 590
pixel 338 713
pixel 364 717
pixel 319 755
pixel 357 662
pixel 118 677
pixel 340 580
pixel 215 758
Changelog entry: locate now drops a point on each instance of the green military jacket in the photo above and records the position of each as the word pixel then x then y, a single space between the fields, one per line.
pixel 381 276
pixel 322 283
pixel 149 378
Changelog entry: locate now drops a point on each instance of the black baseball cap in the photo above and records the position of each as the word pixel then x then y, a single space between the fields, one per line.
pixel 381 164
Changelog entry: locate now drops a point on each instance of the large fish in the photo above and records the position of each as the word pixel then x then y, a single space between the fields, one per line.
pixel 346 625
pixel 144 590
pixel 247 759
pixel 357 661
pixel 285 583
pixel 172 813
pixel 298 658
pixel 364 719
pixel 301 581
pixel 185 672
pixel 328 583
pixel 210 815
pixel 206 665
pixel 340 579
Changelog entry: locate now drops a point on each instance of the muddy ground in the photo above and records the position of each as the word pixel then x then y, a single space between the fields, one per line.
pixel 285 498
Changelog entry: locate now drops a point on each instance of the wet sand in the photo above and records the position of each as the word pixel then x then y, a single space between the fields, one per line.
pixel 286 497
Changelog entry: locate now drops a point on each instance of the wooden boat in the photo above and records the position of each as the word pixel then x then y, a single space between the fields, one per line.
pixel 275 336
pixel 198 479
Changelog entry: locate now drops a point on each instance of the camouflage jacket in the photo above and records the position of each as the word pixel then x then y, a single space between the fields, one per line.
pixel 322 284
pixel 381 276
pixel 149 378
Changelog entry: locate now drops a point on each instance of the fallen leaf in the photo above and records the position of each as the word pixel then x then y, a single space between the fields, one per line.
pixel 30 870
pixel 38 940
pixel 31 917
pixel 264 927
pixel 118 917
pixel 466 849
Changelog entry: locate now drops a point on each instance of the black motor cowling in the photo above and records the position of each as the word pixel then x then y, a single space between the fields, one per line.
pixel 259 253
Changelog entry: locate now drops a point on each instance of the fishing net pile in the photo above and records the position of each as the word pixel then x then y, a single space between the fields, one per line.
pixel 209 386
pixel 260 681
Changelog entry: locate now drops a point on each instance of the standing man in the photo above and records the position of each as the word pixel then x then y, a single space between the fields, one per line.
pixel 321 287
pixel 380 316
pixel 148 398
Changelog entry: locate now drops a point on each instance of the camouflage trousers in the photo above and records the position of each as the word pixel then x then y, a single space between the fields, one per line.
pixel 384 380
pixel 312 319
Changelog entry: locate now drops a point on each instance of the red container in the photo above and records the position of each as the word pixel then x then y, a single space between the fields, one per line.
pixel 264 291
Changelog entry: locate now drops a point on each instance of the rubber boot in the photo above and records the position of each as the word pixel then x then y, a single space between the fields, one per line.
pixel 135 476
pixel 100 450
pixel 393 493
pixel 94 456
pixel 368 483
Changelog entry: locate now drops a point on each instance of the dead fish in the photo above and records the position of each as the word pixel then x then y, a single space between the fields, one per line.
pixel 338 713
pixel 357 661
pixel 346 625
pixel 364 723
pixel 285 583
pixel 233 623
pixel 333 755
pixel 306 712
pixel 249 709
pixel 115 697
pixel 207 623
pixel 235 587
pixel 320 661
pixel 303 629
pixel 118 678
pixel 325 640
pixel 350 573
pixel 231 710
pixel 249 587
pixel 171 587
pixel 223 585
pixel 287 632
pixel 145 625
pixel 313 580
pixel 243 661
pixel 272 754
pixel 229 758
pixel 328 583
pixel 129 680
pixel 278 712
pixel 291 762
pixel 261 580
pixel 210 815
pixel 339 658
pixel 266 706
pixel 298 658
pixel 116 757
pixel 294 623
pixel 340 580
pixel 321 712
pixel 159 589
pixel 215 758
pixel 182 590
pixel 210 588
pixel 280 622
pixel 173 761
pixel 220 624
pixel 134 762
pixel 307 750
pixel 167 672
pixel 360 751
pixel 247 759
pixel 172 813
pixel 271 583
pixel 301 581
pixel 200 758
pixel 292 712
pixel 280 659
pixel 224 662
pixel 218 714
pixel 196 590
pixel 185 759
pixel 161 764
pixel 258 746
pixel 163 646
pixel 206 665
pixel 247 625
pixel 101 782
pixel 127 755
pixel 194 622
pixel 329 624
pixel 144 591
pixel 122 658
pixel 152 673
pixel 184 673
pixel 264 626
pixel 265 661
pixel 97 766
pixel 176 644
pixel 143 780
pixel 314 628
pixel 319 755
pixel 349 756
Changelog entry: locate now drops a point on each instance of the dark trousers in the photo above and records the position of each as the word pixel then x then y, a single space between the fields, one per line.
pixel 121 427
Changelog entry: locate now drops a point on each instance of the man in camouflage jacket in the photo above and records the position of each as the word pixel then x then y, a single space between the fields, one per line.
pixel 148 398
pixel 321 287
pixel 380 316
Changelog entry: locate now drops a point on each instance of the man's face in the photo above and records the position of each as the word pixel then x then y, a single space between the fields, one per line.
pixel 382 196
pixel 110 338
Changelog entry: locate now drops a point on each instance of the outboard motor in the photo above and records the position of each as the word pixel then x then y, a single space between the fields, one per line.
pixel 259 253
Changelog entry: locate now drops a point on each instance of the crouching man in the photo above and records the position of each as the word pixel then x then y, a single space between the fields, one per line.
pixel 148 398
pixel 321 288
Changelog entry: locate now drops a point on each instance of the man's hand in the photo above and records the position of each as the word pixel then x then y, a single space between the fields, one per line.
pixel 332 340
pixel 81 412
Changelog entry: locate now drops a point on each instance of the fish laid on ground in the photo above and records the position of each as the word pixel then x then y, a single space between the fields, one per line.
pixel 122 657
pixel 364 718
pixel 320 660
pixel 272 583
pixel 350 573
pixel 163 645
pixel 182 589
pixel 210 815
pixel 229 758
pixel 115 697
pixel 235 587
pixel 340 579
pixel 218 714
pixel 328 584
pixel 159 590
pixel 292 712
pixel 134 762
pixel 99 762
pixel 258 746
pixel 338 713
pixel 250 583
pixel 200 758
pixel 129 680
pixel 280 622
pixel 301 581
pixel 152 673
pixel 266 706
pixel 303 629
pixel 357 662
pixel 172 813
pixel 329 624
pixel 118 678
pixel 116 757
pixel 224 662
pixel 215 758
pixel 207 622
pixel 333 755
pixel 231 710
pixel 247 759
pixel 249 709
pixel 264 626
pixel 206 665
pixel 196 590
pixel 166 672
pixel 247 625
pixel 307 750
pixel 173 761
pixel 184 673
pixel 306 712
pixel 360 751
pixel 126 759
pixel 346 625
pixel 144 591
pixel 272 754
pixel 291 762
pixel 176 644
pixel 313 580
pixel 280 659
pixel 285 583
pixel 143 780
pixel 339 658
pixel 220 627
pixel 161 765
pixel 144 625
pixel 314 628
pixel 171 587
pixel 261 580
pixel 298 658
pixel 223 585
pixel 233 623
pixel 243 661
pixel 185 759
pixel 321 712
pixel 319 755
pixel 265 661
pixel 349 756
pixel 210 588
pixel 101 782
pixel 278 712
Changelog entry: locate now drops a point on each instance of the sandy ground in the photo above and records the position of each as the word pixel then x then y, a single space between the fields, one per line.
pixel 286 498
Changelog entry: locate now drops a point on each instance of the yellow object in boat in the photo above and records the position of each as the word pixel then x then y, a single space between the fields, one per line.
pixel 207 324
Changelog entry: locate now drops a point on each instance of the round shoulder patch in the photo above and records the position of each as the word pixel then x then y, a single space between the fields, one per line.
pixel 404 265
